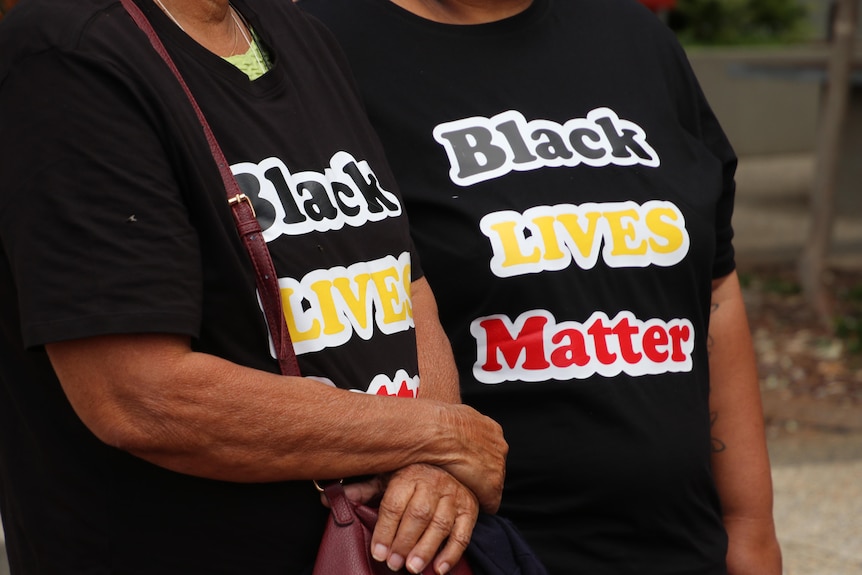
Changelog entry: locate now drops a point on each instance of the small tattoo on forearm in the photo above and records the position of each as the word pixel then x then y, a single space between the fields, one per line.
pixel 717 445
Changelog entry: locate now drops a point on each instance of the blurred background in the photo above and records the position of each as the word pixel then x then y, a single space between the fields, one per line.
pixel 784 78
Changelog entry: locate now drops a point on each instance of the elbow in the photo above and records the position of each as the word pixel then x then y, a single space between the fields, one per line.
pixel 127 430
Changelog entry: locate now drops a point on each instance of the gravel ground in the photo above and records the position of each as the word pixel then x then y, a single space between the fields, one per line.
pixel 802 359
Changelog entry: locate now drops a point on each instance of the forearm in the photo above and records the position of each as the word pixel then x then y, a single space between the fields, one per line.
pixel 201 415
pixel 437 371
pixel 740 459
pixel 288 428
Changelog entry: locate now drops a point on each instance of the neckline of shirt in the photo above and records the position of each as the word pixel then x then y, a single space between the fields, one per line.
pixel 533 13
pixel 170 33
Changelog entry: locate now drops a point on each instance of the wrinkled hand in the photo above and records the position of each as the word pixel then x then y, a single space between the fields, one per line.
pixel 478 459
pixel 423 508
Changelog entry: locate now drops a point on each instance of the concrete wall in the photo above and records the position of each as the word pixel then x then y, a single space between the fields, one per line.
pixel 849 177
pixel 770 106
pixel 762 113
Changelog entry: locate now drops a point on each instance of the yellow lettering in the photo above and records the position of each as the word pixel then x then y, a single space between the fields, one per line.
pixel 621 230
pixel 583 239
pixel 511 247
pixel 545 224
pixel 389 296
pixel 656 221
pixel 358 304
pixel 312 333
pixel 328 310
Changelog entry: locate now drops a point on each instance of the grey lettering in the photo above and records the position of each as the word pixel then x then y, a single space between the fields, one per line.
pixel 481 149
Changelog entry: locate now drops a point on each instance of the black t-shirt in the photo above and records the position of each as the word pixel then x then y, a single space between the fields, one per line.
pixel 570 194
pixel 113 219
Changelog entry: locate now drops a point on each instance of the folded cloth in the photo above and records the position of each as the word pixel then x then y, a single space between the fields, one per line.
pixel 498 548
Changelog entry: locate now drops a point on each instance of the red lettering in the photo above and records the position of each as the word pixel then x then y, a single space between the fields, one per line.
pixel 542 349
pixel 529 341
pixel 678 334
pixel 624 332
pixel 573 352
pixel 654 337
pixel 600 335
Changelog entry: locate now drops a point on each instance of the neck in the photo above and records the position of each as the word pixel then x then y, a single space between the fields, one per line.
pixel 209 22
pixel 196 13
pixel 464 11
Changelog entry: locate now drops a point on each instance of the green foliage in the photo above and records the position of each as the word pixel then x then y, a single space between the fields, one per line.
pixel 727 22
pixel 848 325
pixel 849 329
pixel 782 286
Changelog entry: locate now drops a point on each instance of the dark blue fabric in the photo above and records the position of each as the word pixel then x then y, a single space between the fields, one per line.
pixel 497 548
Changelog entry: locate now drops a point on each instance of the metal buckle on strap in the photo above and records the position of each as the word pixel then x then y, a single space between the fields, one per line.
pixel 242 198
pixel 319 487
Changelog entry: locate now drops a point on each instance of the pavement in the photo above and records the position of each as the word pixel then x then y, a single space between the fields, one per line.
pixel 818 500
pixel 815 449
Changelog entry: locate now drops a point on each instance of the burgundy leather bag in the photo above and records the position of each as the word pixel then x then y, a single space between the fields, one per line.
pixel 346 545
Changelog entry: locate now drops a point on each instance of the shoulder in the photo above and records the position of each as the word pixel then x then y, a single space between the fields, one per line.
pixel 627 19
pixel 368 19
pixel 70 39
pixel 286 13
pixel 338 10
pixel 37 26
pixel 287 24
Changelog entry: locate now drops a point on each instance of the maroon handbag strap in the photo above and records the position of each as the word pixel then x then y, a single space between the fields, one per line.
pixel 243 213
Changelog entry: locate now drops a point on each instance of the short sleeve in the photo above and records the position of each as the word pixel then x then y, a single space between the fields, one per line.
pixel 716 140
pixel 92 222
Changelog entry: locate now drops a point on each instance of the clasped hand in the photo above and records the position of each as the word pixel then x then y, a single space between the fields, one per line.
pixel 425 515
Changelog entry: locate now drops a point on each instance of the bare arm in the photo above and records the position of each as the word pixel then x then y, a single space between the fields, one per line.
pixel 740 460
pixel 437 371
pixel 197 414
